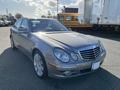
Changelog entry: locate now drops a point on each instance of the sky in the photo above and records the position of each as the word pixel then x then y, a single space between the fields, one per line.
pixel 35 8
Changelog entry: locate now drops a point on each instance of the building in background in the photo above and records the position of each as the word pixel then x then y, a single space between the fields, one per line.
pixel 100 11
pixel 104 14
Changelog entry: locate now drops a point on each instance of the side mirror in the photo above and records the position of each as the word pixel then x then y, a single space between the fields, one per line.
pixel 23 30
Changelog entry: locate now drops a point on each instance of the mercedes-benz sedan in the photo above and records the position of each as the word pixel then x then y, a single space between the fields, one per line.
pixel 55 50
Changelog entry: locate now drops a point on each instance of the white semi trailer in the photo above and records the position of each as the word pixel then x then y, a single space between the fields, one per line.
pixel 103 14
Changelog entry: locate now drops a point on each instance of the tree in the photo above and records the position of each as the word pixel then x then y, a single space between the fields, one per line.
pixel 43 16
pixel 18 16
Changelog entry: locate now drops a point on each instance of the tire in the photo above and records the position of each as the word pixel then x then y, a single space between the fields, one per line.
pixel 12 43
pixel 40 65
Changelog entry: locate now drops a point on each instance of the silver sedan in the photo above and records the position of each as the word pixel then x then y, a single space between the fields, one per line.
pixel 55 50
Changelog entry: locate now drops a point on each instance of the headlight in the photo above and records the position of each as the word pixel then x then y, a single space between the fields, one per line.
pixel 74 56
pixel 61 55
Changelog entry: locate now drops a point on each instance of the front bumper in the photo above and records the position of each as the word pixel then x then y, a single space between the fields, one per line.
pixel 74 70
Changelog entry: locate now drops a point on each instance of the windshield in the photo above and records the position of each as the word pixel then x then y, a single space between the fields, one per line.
pixel 46 25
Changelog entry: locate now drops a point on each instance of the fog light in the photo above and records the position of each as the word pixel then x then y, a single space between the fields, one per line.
pixel 67 73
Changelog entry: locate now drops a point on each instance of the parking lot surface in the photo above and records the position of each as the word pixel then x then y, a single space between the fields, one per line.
pixel 17 73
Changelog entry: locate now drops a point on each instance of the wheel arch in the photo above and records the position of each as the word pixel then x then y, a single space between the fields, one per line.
pixel 36 49
pixel 46 69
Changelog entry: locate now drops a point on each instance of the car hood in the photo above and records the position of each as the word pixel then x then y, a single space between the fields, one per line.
pixel 70 39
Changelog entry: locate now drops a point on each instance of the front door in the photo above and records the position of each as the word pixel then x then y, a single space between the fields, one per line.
pixel 25 37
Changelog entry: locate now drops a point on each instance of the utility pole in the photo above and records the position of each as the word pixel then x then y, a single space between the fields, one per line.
pixel 57 6
pixel 7 11
pixel 103 10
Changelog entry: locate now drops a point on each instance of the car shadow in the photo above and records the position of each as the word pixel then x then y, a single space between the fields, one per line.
pixel 16 72
pixel 103 34
pixel 99 80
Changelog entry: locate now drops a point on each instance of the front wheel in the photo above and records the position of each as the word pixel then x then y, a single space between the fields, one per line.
pixel 40 65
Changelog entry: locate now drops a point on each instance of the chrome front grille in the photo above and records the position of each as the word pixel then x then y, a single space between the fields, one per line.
pixel 90 54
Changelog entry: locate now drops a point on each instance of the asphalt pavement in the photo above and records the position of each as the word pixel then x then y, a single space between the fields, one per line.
pixel 17 73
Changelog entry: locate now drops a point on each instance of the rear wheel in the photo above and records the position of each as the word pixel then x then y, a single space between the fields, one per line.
pixel 40 65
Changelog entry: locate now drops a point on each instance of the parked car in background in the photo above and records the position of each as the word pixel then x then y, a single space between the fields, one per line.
pixel 54 50
pixel 2 23
pixel 7 23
